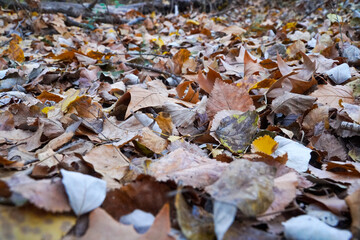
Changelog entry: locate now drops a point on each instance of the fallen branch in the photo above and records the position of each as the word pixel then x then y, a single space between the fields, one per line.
pixel 177 78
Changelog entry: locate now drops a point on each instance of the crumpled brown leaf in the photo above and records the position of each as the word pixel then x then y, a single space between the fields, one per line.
pixel 248 185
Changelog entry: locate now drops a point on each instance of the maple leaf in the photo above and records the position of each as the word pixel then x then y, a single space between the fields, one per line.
pixel 228 97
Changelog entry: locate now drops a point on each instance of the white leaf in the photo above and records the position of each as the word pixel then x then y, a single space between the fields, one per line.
pixel 298 155
pixel 340 73
pixel 308 227
pixel 141 220
pixel 224 215
pixel 85 192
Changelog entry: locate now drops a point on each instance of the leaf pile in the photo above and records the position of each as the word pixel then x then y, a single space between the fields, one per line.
pixel 182 125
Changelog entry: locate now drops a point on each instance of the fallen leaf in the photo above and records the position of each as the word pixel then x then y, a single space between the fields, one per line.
pixel 108 160
pixel 47 194
pixel 161 227
pixel 298 155
pixel 228 97
pixel 15 52
pixel 85 192
pixel 195 222
pixel 332 95
pixel 353 201
pixel 236 132
pixel 191 169
pixel 353 111
pixel 264 144
pixel 224 216
pixel 339 74
pixel 103 226
pixel 137 195
pixel 246 184
pixel 284 192
pixel 31 223
pixel 307 227
pixel 292 103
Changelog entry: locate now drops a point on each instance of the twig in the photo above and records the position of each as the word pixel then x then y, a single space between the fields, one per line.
pixel 177 78
pixel 144 54
pixel 71 22
pixel 313 10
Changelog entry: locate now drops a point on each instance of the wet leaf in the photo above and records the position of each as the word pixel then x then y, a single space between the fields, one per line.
pixel 236 132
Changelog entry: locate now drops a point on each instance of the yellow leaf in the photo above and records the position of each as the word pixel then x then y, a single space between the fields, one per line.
pixel 47 109
pixel 174 138
pixel 334 17
pixel 266 83
pixel 72 95
pixel 15 52
pixel 158 41
pixel 192 22
pixel 31 223
pixel 264 144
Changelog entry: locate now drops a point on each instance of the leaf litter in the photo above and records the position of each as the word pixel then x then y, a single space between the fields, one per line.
pixel 224 125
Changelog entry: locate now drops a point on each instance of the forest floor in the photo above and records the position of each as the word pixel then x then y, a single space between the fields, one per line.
pixel 237 124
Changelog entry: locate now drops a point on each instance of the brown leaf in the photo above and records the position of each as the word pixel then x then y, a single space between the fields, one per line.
pixel 190 169
pixel 331 145
pixel 48 194
pixel 284 191
pixel 108 160
pixel 353 201
pixel 161 227
pixel 332 96
pixel 145 194
pixel 315 116
pixel 248 185
pixel 15 52
pixel 292 103
pixel 228 97
pixel 103 226
pixel 251 66
pixel 207 83
pixel 152 141
pixel 194 226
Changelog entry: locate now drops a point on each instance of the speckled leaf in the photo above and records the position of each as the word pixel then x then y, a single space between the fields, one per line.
pixel 236 132
pixel 246 184
pixel 195 222
pixel 32 223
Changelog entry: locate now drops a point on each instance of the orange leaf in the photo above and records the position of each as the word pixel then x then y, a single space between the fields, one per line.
pixel 15 52
pixel 228 97
pixel 47 96
pixel 187 93
pixel 264 144
pixel 181 56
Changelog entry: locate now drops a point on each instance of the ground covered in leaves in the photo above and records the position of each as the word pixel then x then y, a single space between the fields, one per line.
pixel 239 125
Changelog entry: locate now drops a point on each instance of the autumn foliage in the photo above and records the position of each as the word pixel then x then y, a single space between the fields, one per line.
pixel 233 125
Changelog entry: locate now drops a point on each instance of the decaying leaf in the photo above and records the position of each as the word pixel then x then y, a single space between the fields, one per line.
pixel 31 223
pixel 195 222
pixel 248 185
pixel 236 132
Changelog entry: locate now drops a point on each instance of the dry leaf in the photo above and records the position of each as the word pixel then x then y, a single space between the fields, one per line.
pixel 228 97
pixel 333 96
pixel 248 185
pixel 189 168
pixel 108 160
